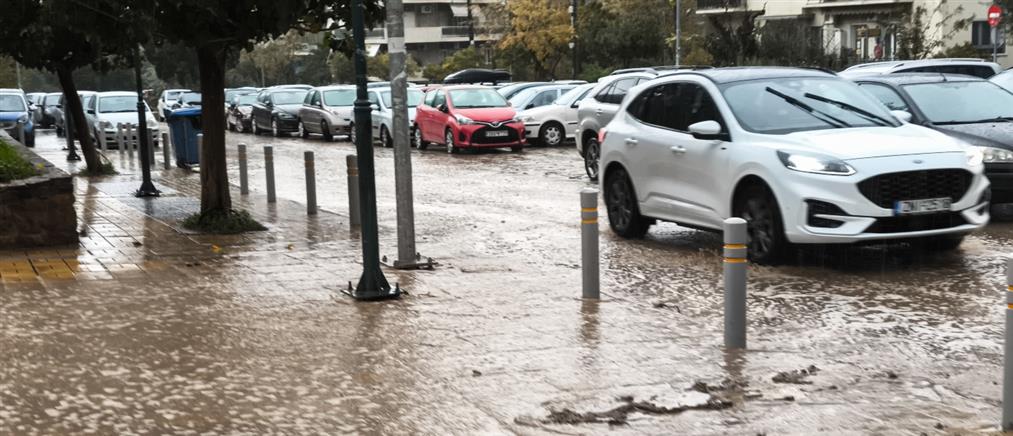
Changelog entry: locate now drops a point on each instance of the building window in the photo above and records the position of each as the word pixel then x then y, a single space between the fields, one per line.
pixel 981 36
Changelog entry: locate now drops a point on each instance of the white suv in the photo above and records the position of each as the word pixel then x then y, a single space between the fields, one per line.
pixel 803 156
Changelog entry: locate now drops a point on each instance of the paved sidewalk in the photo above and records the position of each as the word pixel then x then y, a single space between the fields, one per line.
pixel 146 329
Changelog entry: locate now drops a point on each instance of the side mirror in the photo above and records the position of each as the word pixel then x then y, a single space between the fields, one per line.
pixel 442 108
pixel 91 111
pixel 529 106
pixel 707 131
pixel 903 116
pixel 268 104
pixel 375 106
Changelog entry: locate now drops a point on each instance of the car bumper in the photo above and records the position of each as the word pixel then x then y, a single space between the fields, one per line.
pixel 865 221
pixel 531 130
pixel 480 136
pixel 112 141
pixel 288 125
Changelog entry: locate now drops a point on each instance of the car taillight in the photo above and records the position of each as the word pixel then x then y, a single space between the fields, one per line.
pixel 601 136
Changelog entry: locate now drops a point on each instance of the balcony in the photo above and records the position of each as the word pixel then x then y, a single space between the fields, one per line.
pixel 720 5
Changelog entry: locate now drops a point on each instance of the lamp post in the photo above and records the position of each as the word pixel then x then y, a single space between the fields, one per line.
pixel 372 285
pixel 147 188
pixel 573 39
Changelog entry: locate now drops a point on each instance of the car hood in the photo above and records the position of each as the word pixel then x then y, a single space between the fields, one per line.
pixel 292 109
pixel 115 118
pixel 488 114
pixel 871 142
pixel 999 135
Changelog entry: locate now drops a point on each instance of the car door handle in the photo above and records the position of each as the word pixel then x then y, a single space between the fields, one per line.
pixel 598 112
pixel 678 149
pixel 631 141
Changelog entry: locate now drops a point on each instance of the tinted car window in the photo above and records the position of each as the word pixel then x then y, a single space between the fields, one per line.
pixel 883 93
pixel 339 97
pixel 439 98
pixel 619 90
pixel 675 106
pixel 603 95
pixel 697 105
pixel 961 102
pixel 544 98
pixel 430 97
pixel 288 97
pixel 981 71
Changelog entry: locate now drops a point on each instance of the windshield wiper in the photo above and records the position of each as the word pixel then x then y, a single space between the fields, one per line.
pixel 875 119
pixel 986 120
pixel 819 115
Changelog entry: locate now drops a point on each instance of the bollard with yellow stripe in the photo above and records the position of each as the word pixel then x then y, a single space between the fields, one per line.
pixel 1007 366
pixel 735 262
pixel 589 243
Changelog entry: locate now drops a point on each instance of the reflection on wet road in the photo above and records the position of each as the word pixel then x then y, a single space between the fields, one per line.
pixel 497 338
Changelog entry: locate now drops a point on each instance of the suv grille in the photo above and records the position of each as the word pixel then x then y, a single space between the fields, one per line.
pixel 885 189
pixel 480 137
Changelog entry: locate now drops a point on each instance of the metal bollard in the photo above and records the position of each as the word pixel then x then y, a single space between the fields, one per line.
pixel 102 141
pixel 166 160
pixel 589 243
pixel 151 148
pixel 130 140
pixel 269 171
pixel 1007 366
pixel 21 133
pixel 200 149
pixel 120 134
pixel 244 186
pixel 735 263
pixel 311 184
pixel 352 163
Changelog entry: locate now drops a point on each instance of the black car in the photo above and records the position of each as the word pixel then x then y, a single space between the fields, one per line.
pixel 969 108
pixel 277 110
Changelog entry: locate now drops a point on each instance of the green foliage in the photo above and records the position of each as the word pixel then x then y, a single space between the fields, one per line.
pixel 462 59
pixel 12 165
pixel 924 32
pixel 541 28
pixel 965 50
pixel 219 222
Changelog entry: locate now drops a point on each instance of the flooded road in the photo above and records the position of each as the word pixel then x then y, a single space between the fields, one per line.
pixel 496 340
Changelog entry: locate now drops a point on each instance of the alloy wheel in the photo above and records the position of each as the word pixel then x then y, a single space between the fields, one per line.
pixel 451 149
pixel 591 155
pixel 552 135
pixel 761 227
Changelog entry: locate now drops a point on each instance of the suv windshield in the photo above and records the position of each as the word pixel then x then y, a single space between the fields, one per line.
pixel 246 99
pixel 961 102
pixel 339 97
pixel 12 103
pixel 119 103
pixel 574 95
pixel 288 97
pixel 788 105
pixel 414 98
pixel 476 98
pixel 192 98
pixel 172 95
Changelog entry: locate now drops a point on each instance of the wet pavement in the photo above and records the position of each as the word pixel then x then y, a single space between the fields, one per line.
pixel 147 329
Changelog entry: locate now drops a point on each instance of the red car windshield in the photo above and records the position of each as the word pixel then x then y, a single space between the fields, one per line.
pixel 476 98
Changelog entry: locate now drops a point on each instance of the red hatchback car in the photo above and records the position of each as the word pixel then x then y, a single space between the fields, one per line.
pixel 462 117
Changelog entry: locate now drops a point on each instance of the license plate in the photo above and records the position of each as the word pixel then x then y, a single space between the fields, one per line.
pixel 915 207
pixel 496 134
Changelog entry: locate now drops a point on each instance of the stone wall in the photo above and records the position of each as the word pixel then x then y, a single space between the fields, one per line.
pixel 39 210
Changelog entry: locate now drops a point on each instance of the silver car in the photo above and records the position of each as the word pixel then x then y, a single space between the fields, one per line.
pixel 327 111
pixel 383 114
pixel 60 122
pixel 597 110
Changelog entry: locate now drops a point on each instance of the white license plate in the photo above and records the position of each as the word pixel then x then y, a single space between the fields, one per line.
pixel 914 207
pixel 496 134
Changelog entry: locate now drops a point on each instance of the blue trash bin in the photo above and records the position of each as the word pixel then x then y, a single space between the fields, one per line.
pixel 185 124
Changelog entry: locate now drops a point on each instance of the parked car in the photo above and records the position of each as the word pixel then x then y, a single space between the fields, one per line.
pixel 327 111
pixel 512 89
pixel 971 67
pixel 187 100
pixel 553 123
pixel 60 122
pixel 277 110
pixel 14 110
pixel 166 101
pixel 477 76
pixel 35 104
pixel 1003 79
pixel 538 96
pixel 230 93
pixel 383 114
pixel 106 110
pixel 240 115
pixel 50 108
pixel 465 117
pixel 803 156
pixel 974 110
pixel 595 111
pixel 303 87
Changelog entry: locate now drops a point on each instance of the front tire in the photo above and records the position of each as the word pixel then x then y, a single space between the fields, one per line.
pixel 551 134
pixel 274 128
pixel 622 208
pixel 351 134
pixel 303 133
pixel 385 139
pixel 255 127
pixel 449 138
pixel 592 152
pixel 326 131
pixel 767 242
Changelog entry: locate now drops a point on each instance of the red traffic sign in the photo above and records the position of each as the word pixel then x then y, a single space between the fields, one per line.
pixel 994 15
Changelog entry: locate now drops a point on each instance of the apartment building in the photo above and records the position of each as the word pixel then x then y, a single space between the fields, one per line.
pixel 435 29
pixel 865 30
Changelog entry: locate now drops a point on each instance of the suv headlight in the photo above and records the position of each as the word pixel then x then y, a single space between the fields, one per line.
pixel 461 119
pixel 989 154
pixel 808 163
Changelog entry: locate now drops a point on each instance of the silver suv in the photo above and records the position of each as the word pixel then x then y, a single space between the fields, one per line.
pixel 597 109
pixel 968 67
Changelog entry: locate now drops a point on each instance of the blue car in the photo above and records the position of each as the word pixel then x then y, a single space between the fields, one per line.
pixel 14 109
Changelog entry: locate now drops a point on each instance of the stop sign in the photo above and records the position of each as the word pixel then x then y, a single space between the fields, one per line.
pixel 994 15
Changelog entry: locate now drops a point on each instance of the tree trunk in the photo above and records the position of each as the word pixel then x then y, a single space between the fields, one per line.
pixel 72 107
pixel 215 196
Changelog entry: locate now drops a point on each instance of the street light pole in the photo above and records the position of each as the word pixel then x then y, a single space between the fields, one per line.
pixel 372 285
pixel 678 32
pixel 573 40
pixel 147 188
